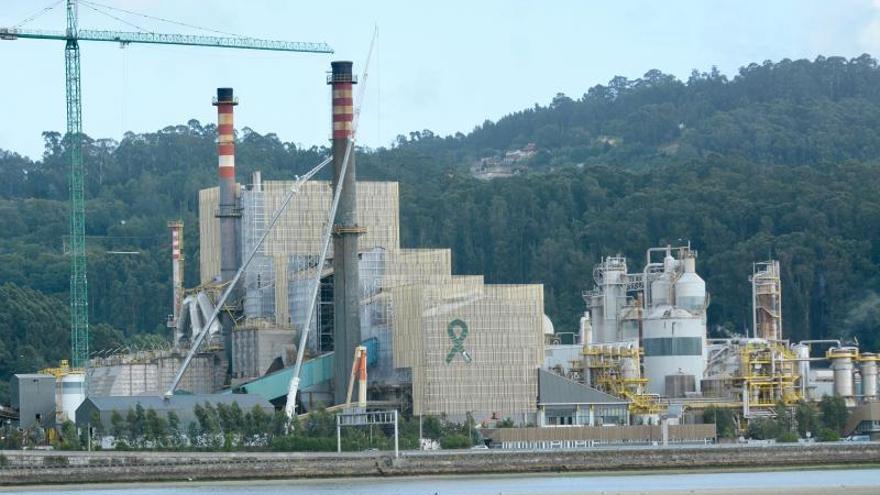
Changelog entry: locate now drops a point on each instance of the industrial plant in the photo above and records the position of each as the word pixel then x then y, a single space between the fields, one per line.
pixel 304 289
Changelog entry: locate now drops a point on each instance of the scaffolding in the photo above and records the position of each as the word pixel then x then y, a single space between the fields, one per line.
pixel 769 375
pixel 472 348
pixel 766 300
pixel 409 298
pixel 298 231
pixel 616 370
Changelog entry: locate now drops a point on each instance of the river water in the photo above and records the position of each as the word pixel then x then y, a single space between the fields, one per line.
pixel 831 481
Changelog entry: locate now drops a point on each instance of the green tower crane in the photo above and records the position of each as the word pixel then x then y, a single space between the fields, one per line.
pixel 79 310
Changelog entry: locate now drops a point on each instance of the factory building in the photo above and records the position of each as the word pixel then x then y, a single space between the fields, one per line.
pixel 456 345
pixel 644 339
pixel 410 303
pixel 33 395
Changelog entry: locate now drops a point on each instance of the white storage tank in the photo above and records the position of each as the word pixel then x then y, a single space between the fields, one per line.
pixel 73 393
pixel 842 364
pixel 869 375
pixel 690 288
pixel 674 341
pixel 661 290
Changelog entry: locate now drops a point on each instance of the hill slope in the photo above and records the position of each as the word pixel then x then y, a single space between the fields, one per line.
pixel 778 160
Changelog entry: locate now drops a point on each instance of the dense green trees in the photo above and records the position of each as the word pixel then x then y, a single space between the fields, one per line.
pixel 723 419
pixel 230 428
pixel 779 160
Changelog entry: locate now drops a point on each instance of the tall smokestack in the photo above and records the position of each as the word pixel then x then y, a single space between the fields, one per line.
pixel 346 286
pixel 228 211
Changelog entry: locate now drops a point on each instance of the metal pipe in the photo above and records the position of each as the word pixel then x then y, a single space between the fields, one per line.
pixel 821 341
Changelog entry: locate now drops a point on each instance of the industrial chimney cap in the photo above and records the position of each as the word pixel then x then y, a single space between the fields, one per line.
pixel 341 72
pixel 225 97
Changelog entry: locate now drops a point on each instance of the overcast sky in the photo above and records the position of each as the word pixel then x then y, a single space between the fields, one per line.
pixel 439 65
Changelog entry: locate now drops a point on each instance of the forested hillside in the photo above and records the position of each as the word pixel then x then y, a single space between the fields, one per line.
pixel 779 160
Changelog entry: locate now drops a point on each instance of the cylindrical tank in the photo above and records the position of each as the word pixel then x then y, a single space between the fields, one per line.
pixel 674 342
pixel 842 365
pixel 869 375
pixel 679 385
pixel 802 351
pixel 661 290
pixel 629 368
pixel 73 393
pixel 690 288
pixel 586 330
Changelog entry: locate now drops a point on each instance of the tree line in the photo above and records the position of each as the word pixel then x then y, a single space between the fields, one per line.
pixel 222 427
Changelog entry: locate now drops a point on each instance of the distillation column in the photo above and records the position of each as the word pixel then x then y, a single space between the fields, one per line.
pixel 228 211
pixel 346 285
pixel 767 301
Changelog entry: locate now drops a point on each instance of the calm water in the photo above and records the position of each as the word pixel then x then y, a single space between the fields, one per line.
pixel 784 481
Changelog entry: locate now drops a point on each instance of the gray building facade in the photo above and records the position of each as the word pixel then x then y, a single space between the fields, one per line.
pixel 34 397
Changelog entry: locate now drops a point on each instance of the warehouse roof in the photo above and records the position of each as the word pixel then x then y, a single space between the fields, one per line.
pixel 556 389
pixel 175 402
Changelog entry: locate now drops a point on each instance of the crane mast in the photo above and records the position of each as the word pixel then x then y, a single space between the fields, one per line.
pixel 79 310
pixel 79 292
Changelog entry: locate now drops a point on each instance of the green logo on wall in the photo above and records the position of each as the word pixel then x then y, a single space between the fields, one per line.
pixel 457 339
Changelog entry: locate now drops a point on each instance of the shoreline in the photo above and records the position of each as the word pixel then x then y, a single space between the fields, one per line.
pixel 28 469
pixel 421 477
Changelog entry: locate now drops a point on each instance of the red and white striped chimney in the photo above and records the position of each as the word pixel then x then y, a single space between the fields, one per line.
pixel 343 103
pixel 227 211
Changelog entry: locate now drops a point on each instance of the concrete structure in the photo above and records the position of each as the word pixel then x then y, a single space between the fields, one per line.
pixel 259 347
pixel 182 405
pixel 41 467
pixel 151 372
pixel 346 285
pixel 228 212
pixel 34 397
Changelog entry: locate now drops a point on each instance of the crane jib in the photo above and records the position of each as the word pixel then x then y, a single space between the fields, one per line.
pixel 169 39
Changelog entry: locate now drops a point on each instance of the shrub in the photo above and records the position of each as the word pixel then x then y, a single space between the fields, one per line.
pixel 455 441
pixel 4 461
pixel 787 437
pixel 827 435
pixel 763 429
